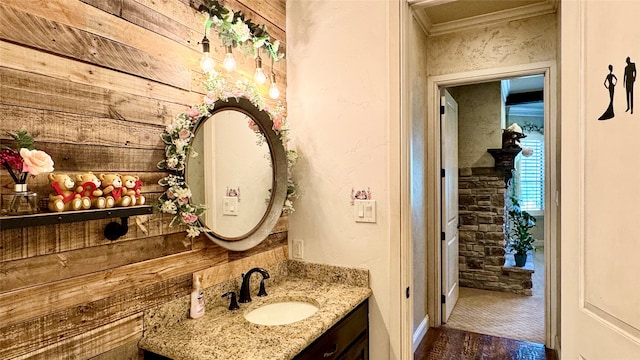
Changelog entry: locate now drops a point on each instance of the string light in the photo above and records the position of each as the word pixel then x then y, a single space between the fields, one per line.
pixel 207 63
pixel 259 75
pixel 274 92
pixel 229 62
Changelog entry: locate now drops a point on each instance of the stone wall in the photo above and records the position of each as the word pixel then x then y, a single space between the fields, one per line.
pixel 482 238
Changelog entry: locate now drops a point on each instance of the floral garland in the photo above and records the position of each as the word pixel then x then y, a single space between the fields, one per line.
pixel 233 29
pixel 177 137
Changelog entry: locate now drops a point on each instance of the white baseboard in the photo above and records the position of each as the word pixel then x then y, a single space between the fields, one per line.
pixel 420 332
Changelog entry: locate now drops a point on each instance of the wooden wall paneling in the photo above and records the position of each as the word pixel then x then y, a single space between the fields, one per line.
pixel 96 21
pixel 101 159
pixel 20 305
pixel 22 58
pixel 29 242
pixel 96 87
pixel 82 261
pixel 270 11
pixel 37 32
pixel 19 88
pixel 11 244
pixel 29 335
pixel 128 351
pixel 147 18
pixel 274 240
pixel 93 342
pixel 232 269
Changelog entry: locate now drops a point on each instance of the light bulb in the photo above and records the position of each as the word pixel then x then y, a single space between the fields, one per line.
pixel 207 63
pixel 229 62
pixel 259 76
pixel 274 92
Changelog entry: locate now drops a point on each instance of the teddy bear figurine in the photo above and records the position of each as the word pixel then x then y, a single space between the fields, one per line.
pixel 112 189
pixel 89 186
pixel 64 196
pixel 133 188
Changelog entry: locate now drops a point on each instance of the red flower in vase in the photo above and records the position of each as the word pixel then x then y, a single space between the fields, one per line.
pixel 20 163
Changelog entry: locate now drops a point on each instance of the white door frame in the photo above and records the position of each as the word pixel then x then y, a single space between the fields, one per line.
pixel 432 186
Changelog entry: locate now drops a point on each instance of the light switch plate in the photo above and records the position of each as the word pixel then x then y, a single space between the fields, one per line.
pixel 230 205
pixel 364 211
pixel 297 252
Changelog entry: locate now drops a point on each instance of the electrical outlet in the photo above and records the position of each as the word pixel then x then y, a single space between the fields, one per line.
pixel 297 249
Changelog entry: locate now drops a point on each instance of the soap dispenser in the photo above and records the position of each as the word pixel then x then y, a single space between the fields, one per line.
pixel 197 299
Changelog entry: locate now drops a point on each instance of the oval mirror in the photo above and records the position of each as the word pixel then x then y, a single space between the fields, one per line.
pixel 239 174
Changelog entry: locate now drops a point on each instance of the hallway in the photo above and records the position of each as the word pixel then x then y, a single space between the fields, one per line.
pixel 503 314
pixel 451 344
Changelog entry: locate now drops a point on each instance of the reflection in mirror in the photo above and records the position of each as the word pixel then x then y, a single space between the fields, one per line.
pixel 232 174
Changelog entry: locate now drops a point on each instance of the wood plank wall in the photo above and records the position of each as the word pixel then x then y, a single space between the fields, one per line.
pixel 96 82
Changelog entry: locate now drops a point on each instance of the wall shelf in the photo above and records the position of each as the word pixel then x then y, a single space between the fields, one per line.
pixel 505 159
pixel 51 218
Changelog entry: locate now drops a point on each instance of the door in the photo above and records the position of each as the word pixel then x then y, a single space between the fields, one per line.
pixel 449 160
pixel 600 172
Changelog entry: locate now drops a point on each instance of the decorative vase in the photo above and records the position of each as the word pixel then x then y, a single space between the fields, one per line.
pixel 22 201
pixel 520 259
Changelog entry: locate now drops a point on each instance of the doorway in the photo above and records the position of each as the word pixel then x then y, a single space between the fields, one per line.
pixel 439 265
pixel 495 296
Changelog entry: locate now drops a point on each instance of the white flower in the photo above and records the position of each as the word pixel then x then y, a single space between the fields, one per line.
pixel 169 207
pixel 194 154
pixel 180 145
pixel 179 192
pixel 172 162
pixel 241 30
pixel 193 231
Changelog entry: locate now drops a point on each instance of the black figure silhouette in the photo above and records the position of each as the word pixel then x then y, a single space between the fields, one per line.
pixel 629 79
pixel 610 83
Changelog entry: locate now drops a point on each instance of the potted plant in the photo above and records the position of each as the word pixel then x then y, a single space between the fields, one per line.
pixel 520 239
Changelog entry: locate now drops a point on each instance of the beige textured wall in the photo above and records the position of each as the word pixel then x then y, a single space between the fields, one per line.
pixel 479 118
pixel 502 44
pixel 418 74
pixel 342 108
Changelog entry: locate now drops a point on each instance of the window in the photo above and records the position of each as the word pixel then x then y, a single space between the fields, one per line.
pixel 531 174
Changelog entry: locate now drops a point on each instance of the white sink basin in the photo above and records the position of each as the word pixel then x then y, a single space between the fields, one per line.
pixel 281 313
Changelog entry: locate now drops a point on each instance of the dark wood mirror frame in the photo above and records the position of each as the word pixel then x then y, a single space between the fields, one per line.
pixel 279 164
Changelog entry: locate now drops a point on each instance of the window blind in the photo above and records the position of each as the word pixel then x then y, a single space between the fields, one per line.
pixel 531 173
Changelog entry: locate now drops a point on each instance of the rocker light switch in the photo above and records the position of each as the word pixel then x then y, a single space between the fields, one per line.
pixel 230 205
pixel 364 211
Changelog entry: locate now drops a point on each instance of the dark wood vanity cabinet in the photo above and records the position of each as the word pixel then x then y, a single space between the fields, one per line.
pixel 346 340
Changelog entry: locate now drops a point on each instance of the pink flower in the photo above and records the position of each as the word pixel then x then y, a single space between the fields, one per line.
pixel 193 112
pixel 253 126
pixel 36 162
pixel 278 121
pixel 210 98
pixel 188 218
pixel 184 134
pixel 183 200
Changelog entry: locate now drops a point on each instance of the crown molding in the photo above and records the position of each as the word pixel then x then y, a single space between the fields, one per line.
pixel 523 12
pixel 423 20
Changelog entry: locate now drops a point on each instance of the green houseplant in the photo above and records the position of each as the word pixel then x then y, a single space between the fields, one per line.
pixel 520 239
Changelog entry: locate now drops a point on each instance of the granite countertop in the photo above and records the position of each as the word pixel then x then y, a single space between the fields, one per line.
pixel 225 334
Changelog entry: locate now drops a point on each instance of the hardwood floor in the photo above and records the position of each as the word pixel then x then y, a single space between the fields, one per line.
pixel 452 344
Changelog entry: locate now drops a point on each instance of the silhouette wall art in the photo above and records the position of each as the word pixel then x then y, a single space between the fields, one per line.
pixel 610 82
pixel 629 80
